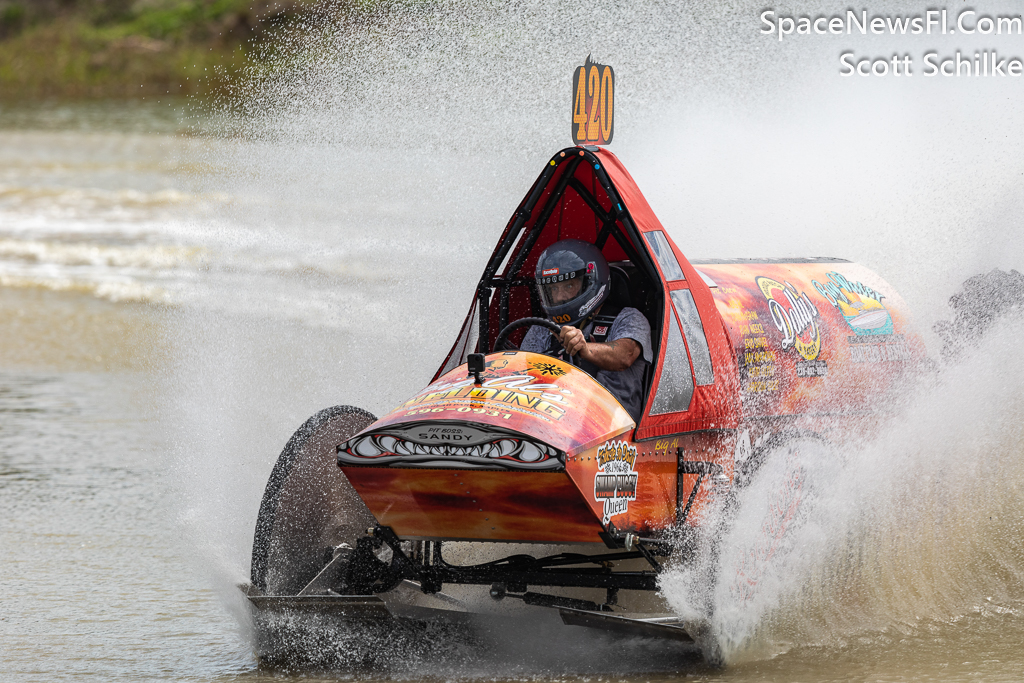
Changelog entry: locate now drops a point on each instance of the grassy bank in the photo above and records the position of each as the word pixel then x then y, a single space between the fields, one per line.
pixel 129 48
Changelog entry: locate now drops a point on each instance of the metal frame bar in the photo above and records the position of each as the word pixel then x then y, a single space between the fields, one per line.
pixel 609 227
pixel 701 469
pixel 534 234
pixel 626 236
pixel 517 571
pixel 523 214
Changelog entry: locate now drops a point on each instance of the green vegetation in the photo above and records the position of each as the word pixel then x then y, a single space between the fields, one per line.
pixel 118 48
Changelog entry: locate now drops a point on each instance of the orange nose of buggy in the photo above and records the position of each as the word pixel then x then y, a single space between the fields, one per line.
pixel 487 461
pixel 477 504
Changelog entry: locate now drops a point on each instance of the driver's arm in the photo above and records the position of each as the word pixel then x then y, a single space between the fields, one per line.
pixel 615 355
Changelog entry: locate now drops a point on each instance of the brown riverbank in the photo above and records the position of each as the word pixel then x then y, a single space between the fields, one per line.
pixel 118 48
pixel 71 331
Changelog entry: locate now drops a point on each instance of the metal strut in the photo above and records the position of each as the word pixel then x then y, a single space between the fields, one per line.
pixel 368 574
pixel 615 222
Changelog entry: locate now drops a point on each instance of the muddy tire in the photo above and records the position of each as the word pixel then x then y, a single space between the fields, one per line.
pixel 981 301
pixel 744 551
pixel 308 507
pixel 767 510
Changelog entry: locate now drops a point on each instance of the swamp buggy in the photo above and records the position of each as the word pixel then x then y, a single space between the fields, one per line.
pixel 514 482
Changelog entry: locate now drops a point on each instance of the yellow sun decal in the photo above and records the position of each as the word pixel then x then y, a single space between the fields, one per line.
pixel 547 369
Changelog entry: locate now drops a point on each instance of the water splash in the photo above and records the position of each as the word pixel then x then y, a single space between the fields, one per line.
pixel 400 139
pixel 919 519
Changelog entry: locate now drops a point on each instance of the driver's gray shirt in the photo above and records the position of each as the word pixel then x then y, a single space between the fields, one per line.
pixel 625 385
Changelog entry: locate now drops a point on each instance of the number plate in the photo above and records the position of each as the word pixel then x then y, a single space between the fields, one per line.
pixel 593 104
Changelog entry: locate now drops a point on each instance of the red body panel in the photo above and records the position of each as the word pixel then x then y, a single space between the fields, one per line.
pixel 520 393
pixel 713 406
pixel 526 393
pixel 811 345
pixel 476 504
pixel 628 484
pixel 799 354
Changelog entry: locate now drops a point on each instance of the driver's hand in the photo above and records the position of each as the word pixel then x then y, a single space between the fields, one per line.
pixel 572 339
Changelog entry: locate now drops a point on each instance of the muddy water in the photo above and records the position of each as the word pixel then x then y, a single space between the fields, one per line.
pixel 174 305
pixel 123 531
pixel 105 576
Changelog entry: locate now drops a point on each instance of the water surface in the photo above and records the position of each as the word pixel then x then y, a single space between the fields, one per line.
pixel 179 294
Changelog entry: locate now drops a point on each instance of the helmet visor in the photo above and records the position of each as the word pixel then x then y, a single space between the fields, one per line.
pixel 562 288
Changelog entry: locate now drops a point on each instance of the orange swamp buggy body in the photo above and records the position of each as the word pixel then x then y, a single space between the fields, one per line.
pixel 523 485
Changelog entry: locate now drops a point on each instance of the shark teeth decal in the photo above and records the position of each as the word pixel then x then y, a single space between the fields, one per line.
pixel 504 453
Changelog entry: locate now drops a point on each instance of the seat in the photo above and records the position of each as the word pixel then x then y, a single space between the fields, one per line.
pixel 629 291
pixel 620 296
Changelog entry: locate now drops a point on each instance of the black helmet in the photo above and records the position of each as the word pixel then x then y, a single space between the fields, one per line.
pixel 559 268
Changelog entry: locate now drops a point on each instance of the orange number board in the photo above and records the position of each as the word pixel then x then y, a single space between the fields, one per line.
pixel 593 100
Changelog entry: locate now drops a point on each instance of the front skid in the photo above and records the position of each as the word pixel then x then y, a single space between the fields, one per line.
pixel 387 634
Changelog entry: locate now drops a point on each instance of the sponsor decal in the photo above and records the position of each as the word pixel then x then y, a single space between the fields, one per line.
pixel 521 393
pixel 546 369
pixel 811 368
pixel 549 271
pixel 445 443
pixel 496 364
pixel 586 308
pixel 601 329
pixel 557 278
pixel 758 369
pixel 665 446
pixel 616 479
pixel 894 348
pixel 794 316
pixel 860 305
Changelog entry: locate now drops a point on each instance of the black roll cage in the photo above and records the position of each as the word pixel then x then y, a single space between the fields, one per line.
pixel 610 227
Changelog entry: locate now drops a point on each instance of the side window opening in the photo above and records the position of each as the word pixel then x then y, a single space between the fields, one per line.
pixel 666 257
pixel 695 337
pixel 675 390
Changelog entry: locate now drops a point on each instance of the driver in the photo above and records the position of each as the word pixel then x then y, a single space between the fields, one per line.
pixel 613 346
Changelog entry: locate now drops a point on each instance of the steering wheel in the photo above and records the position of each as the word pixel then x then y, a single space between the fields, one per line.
pixel 499 342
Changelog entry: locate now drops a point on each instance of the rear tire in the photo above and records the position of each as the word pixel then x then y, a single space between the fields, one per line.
pixel 755 555
pixel 308 507
pixel 742 555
